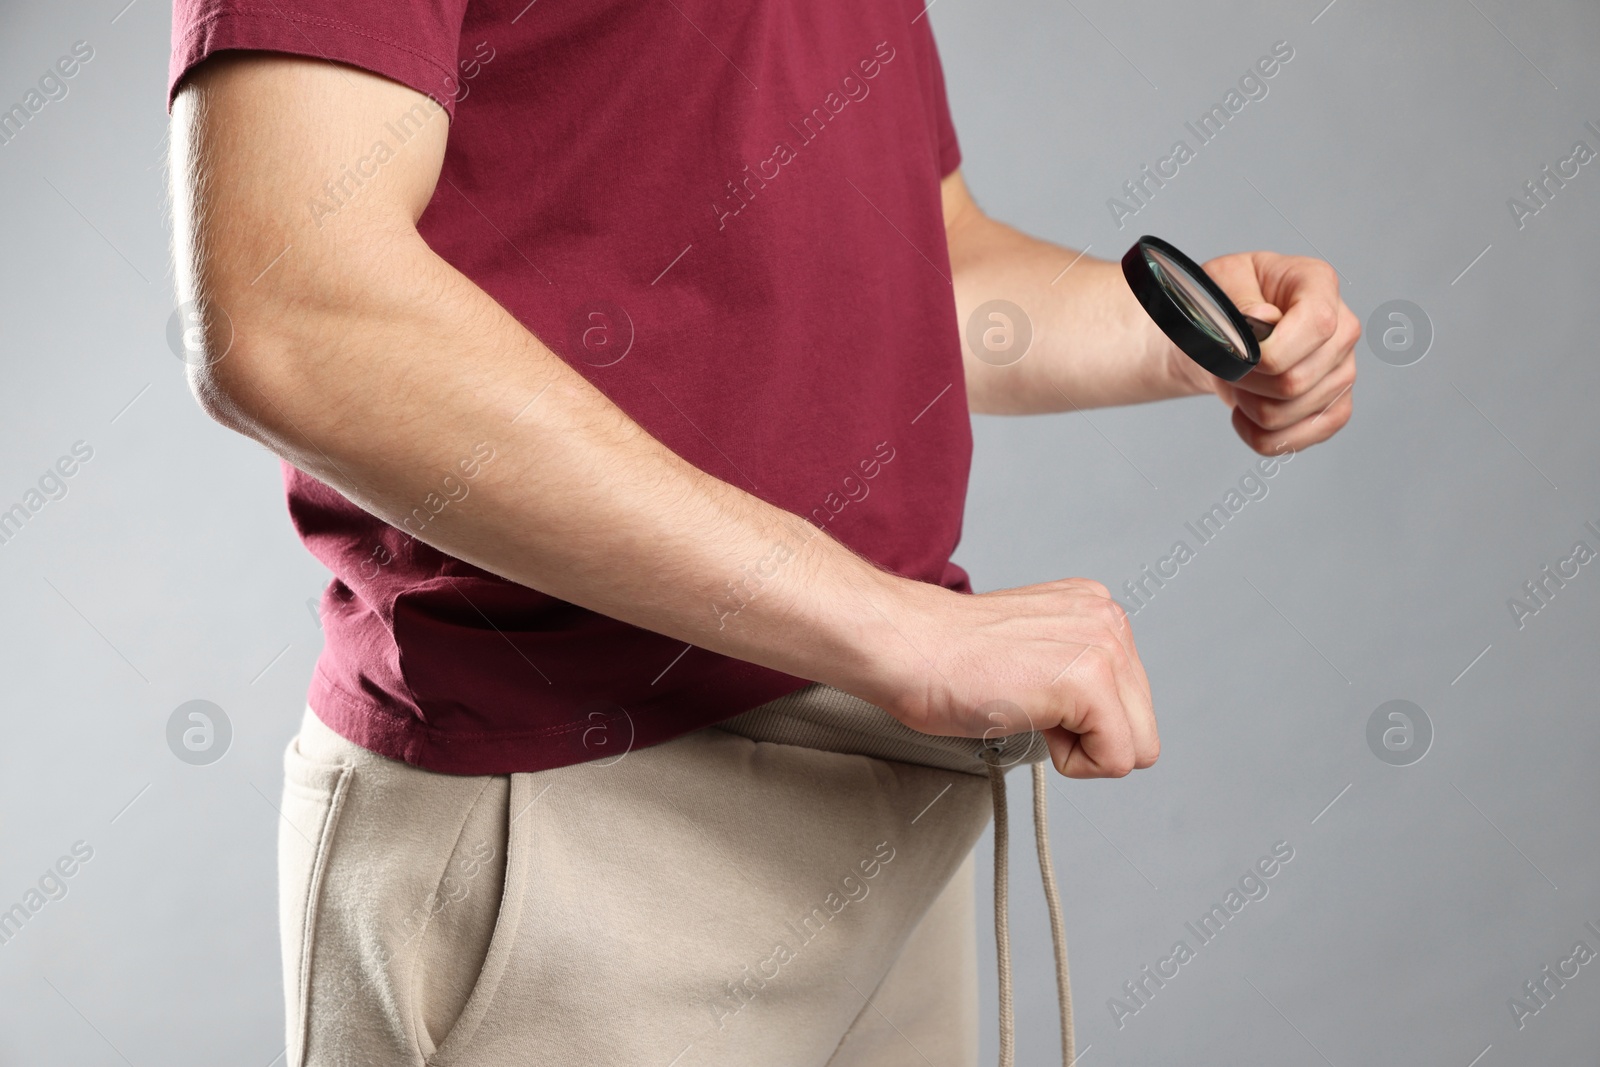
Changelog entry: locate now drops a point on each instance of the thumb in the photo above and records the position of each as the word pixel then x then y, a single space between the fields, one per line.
pixel 1260 309
pixel 1239 276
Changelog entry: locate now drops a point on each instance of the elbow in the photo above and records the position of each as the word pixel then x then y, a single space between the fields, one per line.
pixel 218 367
pixel 229 361
pixel 216 398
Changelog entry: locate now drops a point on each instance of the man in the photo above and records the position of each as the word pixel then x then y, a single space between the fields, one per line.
pixel 615 356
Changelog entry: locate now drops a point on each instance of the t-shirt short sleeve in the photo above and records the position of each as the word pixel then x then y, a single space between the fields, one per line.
pixel 414 42
pixel 949 147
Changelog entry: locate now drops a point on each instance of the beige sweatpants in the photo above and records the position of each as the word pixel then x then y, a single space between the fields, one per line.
pixel 715 900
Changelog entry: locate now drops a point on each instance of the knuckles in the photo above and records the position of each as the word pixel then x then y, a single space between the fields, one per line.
pixel 1348 334
pixel 1111 613
pixel 1257 440
pixel 1297 380
pixel 1268 415
pixel 1344 375
pixel 1262 413
pixel 1097 666
pixel 1119 766
pixel 1091 587
pixel 1340 413
pixel 1325 321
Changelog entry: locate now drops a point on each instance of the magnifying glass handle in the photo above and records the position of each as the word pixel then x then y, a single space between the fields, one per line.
pixel 1262 330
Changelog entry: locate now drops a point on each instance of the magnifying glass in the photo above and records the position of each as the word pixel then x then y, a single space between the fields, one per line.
pixel 1192 310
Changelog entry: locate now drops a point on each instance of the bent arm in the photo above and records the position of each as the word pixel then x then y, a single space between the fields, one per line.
pixel 366 360
pixel 1093 345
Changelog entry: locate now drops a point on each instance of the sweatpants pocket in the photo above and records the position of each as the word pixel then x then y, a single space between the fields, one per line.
pixel 457 1044
pixel 313 794
pixel 455 924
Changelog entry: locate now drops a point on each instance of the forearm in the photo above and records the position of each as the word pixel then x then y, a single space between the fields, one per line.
pixel 1092 346
pixel 383 390
pixel 366 360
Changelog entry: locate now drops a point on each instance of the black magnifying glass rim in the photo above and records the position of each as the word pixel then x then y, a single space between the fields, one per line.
pixel 1168 314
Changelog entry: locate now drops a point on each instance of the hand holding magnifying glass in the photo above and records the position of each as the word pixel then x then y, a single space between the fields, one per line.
pixel 1300 394
pixel 1192 310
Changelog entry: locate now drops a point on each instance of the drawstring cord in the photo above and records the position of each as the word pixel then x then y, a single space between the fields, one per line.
pixel 1002 925
pixel 1052 897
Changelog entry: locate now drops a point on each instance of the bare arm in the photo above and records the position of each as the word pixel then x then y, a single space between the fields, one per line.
pixel 366 360
pixel 1093 346
pixel 369 362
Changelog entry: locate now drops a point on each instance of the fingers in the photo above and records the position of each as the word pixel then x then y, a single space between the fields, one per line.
pixel 1134 688
pixel 1303 373
pixel 1109 727
pixel 1058 658
pixel 1240 277
pixel 1115 620
pixel 1300 393
pixel 1301 435
pixel 1279 414
pixel 1101 747
pixel 1309 297
pixel 1072 758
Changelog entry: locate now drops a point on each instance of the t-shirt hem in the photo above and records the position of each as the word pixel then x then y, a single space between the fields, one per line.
pixel 342 42
pixel 404 737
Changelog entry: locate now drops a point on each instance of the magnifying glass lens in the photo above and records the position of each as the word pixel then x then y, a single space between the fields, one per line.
pixel 1192 310
pixel 1203 311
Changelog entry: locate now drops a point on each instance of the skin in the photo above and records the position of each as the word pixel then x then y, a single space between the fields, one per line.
pixel 364 359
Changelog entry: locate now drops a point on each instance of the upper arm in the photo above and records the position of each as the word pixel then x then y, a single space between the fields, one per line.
pixel 287 172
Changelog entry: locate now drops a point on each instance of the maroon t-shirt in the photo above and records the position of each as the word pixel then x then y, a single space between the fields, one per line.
pixel 726 215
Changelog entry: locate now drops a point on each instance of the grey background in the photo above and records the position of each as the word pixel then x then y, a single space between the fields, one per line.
pixel 1377 568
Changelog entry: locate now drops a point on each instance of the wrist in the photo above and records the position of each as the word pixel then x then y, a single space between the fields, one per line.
pixel 891 641
pixel 1166 371
pixel 1182 375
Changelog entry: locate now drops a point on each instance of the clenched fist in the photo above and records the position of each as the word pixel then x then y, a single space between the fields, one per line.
pixel 1062 652
pixel 1300 393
